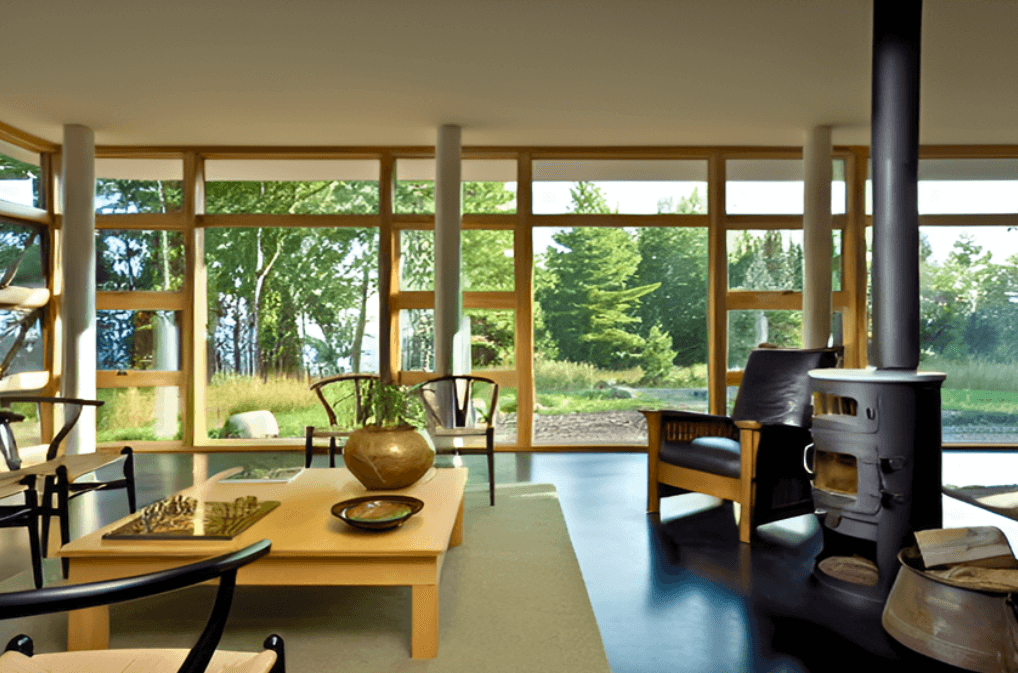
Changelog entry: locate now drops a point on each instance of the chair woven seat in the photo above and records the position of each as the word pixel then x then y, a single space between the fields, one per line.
pixel 133 661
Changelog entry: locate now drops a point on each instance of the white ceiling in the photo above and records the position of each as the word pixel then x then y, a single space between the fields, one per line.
pixel 530 72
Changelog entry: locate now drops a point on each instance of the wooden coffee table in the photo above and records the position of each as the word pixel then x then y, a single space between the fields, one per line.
pixel 309 547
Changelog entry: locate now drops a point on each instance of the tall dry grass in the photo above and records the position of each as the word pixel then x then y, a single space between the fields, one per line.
pixel 230 394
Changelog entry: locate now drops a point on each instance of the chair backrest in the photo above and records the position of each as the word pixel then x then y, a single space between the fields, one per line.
pixel 459 402
pixel 63 598
pixel 344 398
pixel 72 412
pixel 775 387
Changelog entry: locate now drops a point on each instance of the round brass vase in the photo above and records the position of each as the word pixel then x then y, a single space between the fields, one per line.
pixel 388 458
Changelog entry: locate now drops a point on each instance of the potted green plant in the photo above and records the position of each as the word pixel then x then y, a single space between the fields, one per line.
pixel 390 452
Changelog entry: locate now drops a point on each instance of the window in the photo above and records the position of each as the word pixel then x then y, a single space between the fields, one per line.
pixel 291 187
pixel 620 325
pixel 285 303
pixel 968 314
pixel 22 346
pixel 489 186
pixel 139 260
pixel 125 186
pixel 626 187
pixel 138 340
pixel 775 187
pixel 19 176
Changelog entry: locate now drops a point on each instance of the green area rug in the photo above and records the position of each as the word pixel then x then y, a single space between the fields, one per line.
pixel 512 599
pixel 1001 500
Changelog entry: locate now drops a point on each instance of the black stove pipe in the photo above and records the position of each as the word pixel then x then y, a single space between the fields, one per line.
pixel 895 153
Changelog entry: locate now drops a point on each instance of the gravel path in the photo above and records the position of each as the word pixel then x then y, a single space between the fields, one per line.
pixel 603 427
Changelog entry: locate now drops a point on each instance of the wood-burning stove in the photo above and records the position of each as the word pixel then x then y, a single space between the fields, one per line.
pixel 878 459
pixel 876 462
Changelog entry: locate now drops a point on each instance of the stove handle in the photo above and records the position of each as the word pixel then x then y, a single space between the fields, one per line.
pixel 809 458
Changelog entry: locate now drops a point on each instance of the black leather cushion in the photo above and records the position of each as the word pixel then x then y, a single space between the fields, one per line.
pixel 718 455
pixel 775 387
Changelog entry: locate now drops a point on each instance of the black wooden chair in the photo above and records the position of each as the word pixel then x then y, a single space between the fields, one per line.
pixel 60 472
pixel 461 410
pixel 344 397
pixel 753 457
pixel 19 655
pixel 25 514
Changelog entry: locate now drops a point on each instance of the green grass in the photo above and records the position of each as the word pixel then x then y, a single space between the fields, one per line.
pixel 990 401
pixel 974 374
pixel 975 393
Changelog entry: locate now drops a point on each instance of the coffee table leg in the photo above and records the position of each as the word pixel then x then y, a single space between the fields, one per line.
pixel 88 629
pixel 456 538
pixel 424 639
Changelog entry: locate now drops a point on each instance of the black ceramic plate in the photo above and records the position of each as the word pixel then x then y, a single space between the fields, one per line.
pixel 377 512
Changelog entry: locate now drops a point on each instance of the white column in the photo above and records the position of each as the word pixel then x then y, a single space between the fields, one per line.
pixel 78 301
pixel 816 234
pixel 448 294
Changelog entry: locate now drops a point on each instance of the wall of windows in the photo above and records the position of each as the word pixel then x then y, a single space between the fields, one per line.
pixel 596 281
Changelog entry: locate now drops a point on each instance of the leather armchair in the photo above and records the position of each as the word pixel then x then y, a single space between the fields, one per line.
pixel 753 457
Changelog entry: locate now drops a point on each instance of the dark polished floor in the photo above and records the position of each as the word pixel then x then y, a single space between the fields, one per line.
pixel 674 594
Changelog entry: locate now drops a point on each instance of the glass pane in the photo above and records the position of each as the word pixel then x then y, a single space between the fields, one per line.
pixel 968 314
pixel 775 187
pixel 953 186
pixel 21 244
pixel 765 260
pixel 307 187
pixel 489 197
pixel 138 340
pixel 19 176
pixel 139 260
pixel 285 401
pixel 27 432
pixel 26 327
pixel 625 186
pixel 292 302
pixel 417 339
pixel 487 260
pixel 620 325
pixel 492 339
pixel 138 186
pixel 505 422
pixel 772 259
pixel 748 329
pixel 489 186
pixel 416 260
pixel 138 414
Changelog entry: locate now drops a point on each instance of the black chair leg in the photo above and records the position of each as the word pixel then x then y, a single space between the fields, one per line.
pixel 275 643
pixel 32 503
pixel 309 433
pixel 132 498
pixel 332 452
pixel 46 511
pixel 63 495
